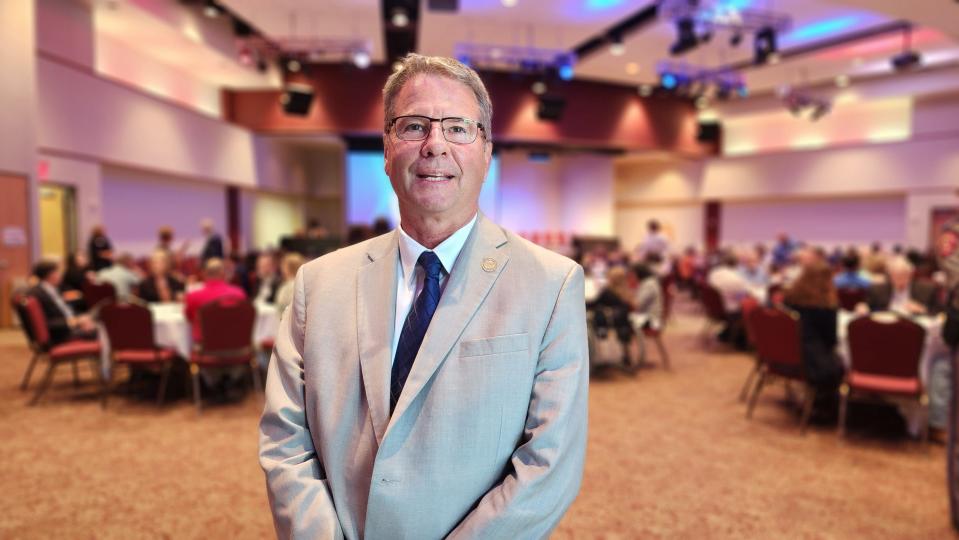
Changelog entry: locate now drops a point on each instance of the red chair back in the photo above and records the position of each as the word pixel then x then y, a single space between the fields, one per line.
pixel 129 326
pixel 777 337
pixel 712 302
pixel 96 294
pixel 849 298
pixel 891 349
pixel 36 321
pixel 226 325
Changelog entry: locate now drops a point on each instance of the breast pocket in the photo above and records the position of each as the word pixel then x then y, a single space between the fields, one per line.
pixel 477 348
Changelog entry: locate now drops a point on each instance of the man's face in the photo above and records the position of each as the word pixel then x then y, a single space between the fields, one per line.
pixel 265 266
pixel 434 177
pixel 900 278
pixel 55 277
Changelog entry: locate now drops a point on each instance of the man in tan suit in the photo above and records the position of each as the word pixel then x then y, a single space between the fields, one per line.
pixel 430 382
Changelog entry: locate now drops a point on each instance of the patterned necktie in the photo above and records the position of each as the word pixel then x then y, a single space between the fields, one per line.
pixel 416 324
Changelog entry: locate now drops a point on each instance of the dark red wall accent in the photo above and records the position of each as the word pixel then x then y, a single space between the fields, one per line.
pixel 713 217
pixel 349 102
pixel 233 224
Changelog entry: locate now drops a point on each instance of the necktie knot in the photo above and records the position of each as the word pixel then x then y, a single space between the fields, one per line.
pixel 431 264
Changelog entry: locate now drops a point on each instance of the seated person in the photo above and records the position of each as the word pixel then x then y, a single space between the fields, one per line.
pixel 733 288
pixel 62 324
pixel 267 282
pixel 71 287
pixel 902 294
pixel 813 296
pixel 160 285
pixel 289 266
pixel 750 266
pixel 213 288
pixel 613 306
pixel 850 277
pixel 648 299
pixel 122 274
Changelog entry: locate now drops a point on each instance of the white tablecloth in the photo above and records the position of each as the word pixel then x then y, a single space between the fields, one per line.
pixel 171 329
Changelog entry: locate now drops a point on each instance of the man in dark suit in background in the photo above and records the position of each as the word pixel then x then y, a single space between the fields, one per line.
pixel 268 280
pixel 213 247
pixel 901 293
pixel 62 324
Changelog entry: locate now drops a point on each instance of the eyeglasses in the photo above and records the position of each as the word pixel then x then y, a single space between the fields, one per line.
pixel 455 129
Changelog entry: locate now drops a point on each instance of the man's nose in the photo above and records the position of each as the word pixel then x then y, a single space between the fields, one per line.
pixel 435 143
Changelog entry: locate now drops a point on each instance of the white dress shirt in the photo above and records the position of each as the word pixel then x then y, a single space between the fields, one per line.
pixel 409 276
pixel 54 295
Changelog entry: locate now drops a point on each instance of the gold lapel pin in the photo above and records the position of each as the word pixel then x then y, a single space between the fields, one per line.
pixel 489 264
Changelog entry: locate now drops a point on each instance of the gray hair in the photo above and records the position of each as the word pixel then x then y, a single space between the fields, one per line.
pixel 414 64
pixel 899 265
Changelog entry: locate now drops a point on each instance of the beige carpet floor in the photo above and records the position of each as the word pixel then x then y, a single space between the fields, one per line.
pixel 670 456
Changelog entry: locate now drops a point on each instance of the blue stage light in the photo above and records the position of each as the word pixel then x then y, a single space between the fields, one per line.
pixel 668 80
pixel 565 72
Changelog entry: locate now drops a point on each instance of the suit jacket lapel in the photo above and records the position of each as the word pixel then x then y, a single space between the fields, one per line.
pixel 470 280
pixel 376 305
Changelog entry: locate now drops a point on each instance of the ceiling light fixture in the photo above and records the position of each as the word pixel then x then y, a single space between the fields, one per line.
pixel 211 9
pixel 645 90
pixel 293 65
pixel 400 18
pixel 616 47
pixel 361 59
pixel 539 88
pixel 632 68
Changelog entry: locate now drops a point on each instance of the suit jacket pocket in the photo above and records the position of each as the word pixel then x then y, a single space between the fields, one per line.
pixel 494 345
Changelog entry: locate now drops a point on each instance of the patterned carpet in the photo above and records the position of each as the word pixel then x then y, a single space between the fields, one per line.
pixel 670 456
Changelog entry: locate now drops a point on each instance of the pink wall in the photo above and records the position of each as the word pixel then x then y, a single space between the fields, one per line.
pixel 136 204
pixel 819 221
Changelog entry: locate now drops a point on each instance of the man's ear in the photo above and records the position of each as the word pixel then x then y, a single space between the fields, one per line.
pixel 386 154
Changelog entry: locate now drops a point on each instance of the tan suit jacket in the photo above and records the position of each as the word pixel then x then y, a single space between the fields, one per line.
pixel 488 437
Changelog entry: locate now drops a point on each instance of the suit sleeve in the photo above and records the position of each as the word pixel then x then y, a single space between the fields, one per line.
pixel 547 467
pixel 299 498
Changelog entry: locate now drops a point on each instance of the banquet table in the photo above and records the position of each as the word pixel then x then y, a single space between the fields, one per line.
pixel 171 329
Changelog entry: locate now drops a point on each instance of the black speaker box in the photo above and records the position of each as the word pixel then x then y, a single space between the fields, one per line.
pixel 296 99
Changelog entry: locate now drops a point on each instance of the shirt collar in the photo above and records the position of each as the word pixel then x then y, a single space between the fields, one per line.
pixel 447 251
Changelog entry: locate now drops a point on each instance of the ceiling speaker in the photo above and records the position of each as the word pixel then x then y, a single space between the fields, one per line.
pixel 296 99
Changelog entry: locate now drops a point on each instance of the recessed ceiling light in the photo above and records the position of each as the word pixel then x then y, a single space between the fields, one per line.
pixel 400 18
pixel 616 48
pixel 773 59
pixel 645 90
pixel 293 65
pixel 702 102
pixel 842 81
pixel 361 59
pixel 538 88
pixel 632 68
pixel 509 3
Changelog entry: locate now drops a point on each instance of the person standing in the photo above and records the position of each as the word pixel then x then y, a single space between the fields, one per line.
pixel 213 244
pixel 430 382
pixel 100 248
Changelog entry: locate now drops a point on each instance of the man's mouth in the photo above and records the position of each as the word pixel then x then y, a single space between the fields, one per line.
pixel 435 177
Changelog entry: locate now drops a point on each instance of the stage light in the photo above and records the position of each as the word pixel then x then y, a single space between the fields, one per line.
pixel 565 67
pixel 686 38
pixel 361 59
pixel 669 81
pixel 764 46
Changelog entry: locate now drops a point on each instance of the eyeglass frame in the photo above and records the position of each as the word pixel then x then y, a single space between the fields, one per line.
pixel 479 125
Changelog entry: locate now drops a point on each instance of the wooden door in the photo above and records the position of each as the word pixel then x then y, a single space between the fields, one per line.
pixel 14 239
